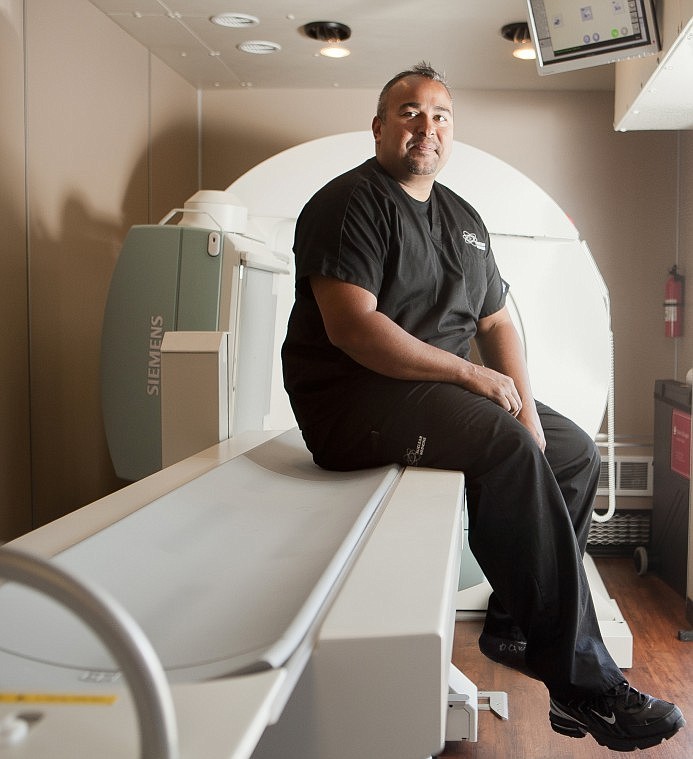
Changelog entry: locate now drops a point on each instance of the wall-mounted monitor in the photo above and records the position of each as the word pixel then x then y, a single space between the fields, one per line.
pixel 575 34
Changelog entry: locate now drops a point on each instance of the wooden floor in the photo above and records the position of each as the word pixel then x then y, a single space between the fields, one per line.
pixel 662 666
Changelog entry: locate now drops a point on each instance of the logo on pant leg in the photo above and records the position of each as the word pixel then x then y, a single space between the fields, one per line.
pixel 413 455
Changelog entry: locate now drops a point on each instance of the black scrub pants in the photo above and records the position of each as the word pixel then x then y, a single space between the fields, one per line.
pixel 529 512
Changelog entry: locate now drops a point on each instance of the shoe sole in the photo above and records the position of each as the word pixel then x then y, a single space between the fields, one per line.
pixel 574 729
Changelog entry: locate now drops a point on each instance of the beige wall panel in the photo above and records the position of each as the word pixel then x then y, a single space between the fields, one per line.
pixel 87 114
pixel 174 141
pixel 88 128
pixel 619 190
pixel 15 478
pixel 240 129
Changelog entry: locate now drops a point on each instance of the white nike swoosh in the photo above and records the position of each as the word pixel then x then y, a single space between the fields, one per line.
pixel 610 720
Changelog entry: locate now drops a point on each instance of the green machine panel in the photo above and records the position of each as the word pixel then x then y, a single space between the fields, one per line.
pixel 200 283
pixel 164 280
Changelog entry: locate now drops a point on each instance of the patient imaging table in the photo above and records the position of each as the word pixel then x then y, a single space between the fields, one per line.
pixel 257 577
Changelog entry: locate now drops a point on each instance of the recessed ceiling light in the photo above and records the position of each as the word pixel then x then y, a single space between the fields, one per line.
pixel 518 34
pixel 259 47
pixel 335 50
pixel 332 32
pixel 235 20
pixel 525 52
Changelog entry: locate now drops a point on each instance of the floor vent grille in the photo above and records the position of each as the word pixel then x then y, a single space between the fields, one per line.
pixel 623 529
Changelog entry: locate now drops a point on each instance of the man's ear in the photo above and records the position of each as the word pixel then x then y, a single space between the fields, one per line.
pixel 376 127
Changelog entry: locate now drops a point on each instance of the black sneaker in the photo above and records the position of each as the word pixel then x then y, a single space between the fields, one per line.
pixel 621 719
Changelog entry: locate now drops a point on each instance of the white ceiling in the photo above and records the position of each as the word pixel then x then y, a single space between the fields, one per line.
pixel 461 37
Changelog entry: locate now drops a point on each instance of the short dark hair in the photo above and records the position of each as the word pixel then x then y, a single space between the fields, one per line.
pixel 423 69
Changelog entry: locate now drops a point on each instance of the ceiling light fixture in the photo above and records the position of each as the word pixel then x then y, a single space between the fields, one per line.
pixel 331 32
pixel 518 33
pixel 235 20
pixel 335 50
pixel 259 47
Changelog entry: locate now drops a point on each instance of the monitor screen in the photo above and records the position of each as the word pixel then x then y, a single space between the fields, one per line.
pixel 574 34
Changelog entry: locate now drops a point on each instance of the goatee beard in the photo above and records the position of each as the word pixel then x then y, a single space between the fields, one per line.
pixel 420 168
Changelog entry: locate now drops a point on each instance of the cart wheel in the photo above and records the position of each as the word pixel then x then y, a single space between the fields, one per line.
pixel 640 560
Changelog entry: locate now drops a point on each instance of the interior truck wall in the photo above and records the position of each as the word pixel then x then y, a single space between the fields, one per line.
pixel 97 135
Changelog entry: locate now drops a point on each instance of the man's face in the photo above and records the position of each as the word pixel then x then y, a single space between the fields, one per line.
pixel 415 137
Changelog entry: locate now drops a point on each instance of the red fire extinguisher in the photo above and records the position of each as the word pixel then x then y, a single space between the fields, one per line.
pixel 673 304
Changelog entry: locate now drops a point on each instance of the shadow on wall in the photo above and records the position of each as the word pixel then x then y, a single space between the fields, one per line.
pixel 223 162
pixel 70 273
pixel 69 278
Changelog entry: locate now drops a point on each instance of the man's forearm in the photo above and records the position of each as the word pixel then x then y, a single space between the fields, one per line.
pixel 355 326
pixel 379 344
pixel 501 349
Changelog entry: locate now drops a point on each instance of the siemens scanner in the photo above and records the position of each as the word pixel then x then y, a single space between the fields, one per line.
pixel 275 609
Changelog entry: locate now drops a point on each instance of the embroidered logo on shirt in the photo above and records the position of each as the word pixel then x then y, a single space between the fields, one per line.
pixel 471 239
